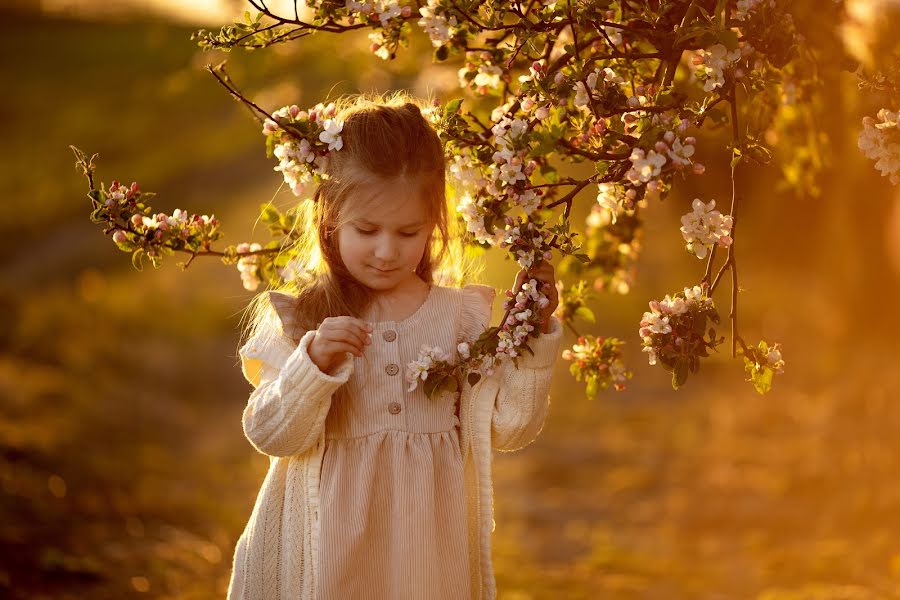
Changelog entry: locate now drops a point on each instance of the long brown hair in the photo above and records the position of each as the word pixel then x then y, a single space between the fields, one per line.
pixel 384 137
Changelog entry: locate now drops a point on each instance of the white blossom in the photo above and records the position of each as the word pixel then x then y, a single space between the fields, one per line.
pixel 436 24
pixel 880 141
pixel 715 60
pixel 704 226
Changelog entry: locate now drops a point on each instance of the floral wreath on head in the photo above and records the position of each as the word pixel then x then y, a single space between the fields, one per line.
pixel 301 140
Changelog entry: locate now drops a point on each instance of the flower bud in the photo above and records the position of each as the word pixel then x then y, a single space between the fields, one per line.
pixel 119 236
pixel 661 146
pixel 406 11
pixel 669 136
pixel 136 220
pixel 559 78
pixel 699 169
pixel 690 140
pixel 542 113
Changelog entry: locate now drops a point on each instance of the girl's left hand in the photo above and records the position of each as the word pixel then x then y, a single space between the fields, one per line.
pixel 542 271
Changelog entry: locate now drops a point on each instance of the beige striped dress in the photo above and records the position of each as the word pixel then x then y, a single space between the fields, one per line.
pixel 392 500
pixel 391 509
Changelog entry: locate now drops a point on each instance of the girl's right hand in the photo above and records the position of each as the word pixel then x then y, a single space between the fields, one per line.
pixel 334 337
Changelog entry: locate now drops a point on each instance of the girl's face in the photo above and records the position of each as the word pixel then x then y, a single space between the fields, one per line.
pixel 382 246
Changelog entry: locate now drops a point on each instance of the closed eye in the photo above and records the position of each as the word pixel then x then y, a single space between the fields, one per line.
pixel 370 232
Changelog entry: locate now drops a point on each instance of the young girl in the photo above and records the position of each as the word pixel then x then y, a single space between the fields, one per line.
pixel 375 491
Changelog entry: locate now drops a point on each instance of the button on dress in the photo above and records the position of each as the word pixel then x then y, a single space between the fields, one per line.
pixel 392 507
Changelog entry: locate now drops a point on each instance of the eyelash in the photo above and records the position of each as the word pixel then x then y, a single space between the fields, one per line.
pixel 365 232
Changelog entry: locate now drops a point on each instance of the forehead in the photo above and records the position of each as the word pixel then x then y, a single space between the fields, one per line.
pixel 390 204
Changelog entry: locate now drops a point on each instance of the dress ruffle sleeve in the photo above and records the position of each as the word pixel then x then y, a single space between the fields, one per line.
pixel 275 339
pixel 475 312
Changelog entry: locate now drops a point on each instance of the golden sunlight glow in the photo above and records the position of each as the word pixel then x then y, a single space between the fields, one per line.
pixel 196 12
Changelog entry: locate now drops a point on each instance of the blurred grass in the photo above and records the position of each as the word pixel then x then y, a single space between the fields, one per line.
pixel 123 467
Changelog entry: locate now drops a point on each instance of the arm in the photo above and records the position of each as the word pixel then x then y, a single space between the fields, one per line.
pixel 523 397
pixel 285 414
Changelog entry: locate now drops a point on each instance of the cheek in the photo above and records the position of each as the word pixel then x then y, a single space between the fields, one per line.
pixel 349 243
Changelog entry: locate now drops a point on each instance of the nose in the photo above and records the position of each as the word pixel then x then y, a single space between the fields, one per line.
pixel 386 250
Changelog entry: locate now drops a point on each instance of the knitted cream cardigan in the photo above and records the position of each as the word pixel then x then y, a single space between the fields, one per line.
pixel 275 557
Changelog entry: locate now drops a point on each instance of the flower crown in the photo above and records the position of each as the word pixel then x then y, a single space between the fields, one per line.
pixel 302 141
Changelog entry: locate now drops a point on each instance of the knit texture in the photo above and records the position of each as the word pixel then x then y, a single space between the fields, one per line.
pixel 276 556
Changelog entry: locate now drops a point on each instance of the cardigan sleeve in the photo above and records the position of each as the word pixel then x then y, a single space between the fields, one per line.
pixel 523 396
pixel 286 411
pixel 475 312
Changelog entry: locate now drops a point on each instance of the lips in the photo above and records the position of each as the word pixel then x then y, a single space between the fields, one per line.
pixel 384 270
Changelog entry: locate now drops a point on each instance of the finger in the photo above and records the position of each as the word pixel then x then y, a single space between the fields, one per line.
pixel 334 347
pixel 350 328
pixel 352 335
pixel 520 277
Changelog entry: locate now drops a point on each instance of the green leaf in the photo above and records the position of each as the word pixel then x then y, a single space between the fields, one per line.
pixel 680 373
pixel 736 157
pixel 583 258
pixel 270 214
pixel 716 116
pixel 585 313
pixel 136 259
pixel 453 107
pixel 451 384
pixel 762 380
pixel 591 386
pixel 429 385
pixel 728 38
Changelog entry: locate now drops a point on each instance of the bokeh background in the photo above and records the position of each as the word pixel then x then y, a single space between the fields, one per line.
pixel 123 467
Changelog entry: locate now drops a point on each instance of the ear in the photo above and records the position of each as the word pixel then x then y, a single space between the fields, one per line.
pixel 285 306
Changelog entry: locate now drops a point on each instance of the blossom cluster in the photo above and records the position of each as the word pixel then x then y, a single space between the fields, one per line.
pixel 498 187
pixel 669 154
pixel 248 266
pixel 673 331
pixel 301 141
pixel 746 7
pixel 436 24
pixel 762 363
pixel 599 362
pixel 148 231
pixel 704 227
pixel 418 369
pixel 479 358
pixel 480 74
pixel 713 62
pixel 880 141
pixel 599 81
